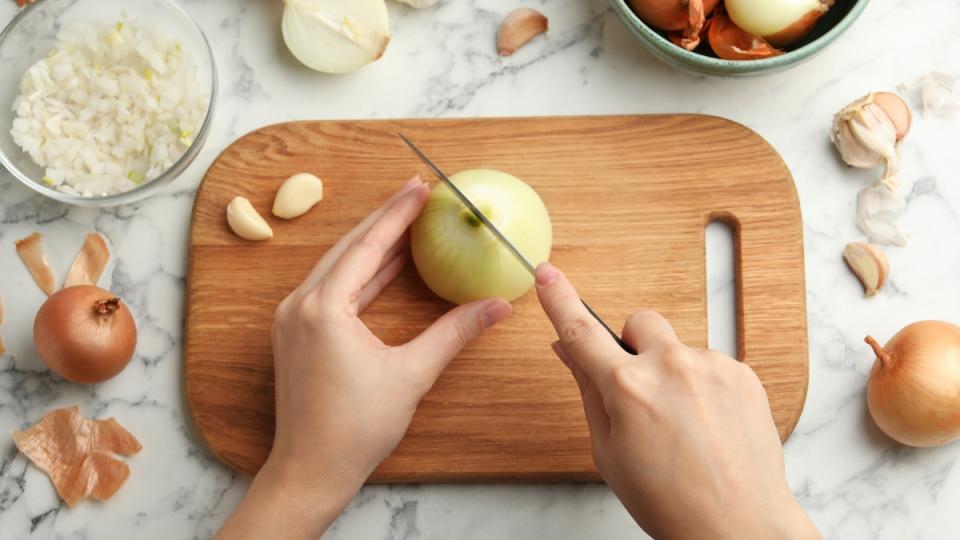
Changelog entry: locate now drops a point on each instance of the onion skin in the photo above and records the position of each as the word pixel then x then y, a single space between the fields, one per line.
pixel 85 334
pixel 914 389
pixel 671 15
pixel 729 42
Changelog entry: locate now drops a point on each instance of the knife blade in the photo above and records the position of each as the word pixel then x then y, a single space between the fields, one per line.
pixel 504 241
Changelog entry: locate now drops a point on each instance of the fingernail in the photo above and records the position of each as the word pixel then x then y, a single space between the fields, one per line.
pixel 561 353
pixel 494 312
pixel 411 183
pixel 546 273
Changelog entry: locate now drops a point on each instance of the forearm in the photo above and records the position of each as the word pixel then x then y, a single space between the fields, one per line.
pixel 277 505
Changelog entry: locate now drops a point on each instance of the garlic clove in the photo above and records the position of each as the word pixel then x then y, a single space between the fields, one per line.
pixel 297 195
pixel 519 27
pixel 246 222
pixel 336 36
pixel 897 110
pixel 419 3
pixel 878 208
pixel 869 264
pixel 865 136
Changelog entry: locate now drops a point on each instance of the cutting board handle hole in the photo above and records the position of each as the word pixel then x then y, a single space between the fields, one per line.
pixel 721 287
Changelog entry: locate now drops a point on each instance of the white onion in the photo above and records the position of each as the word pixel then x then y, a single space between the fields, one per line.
pixel 110 107
pixel 459 259
pixel 336 36
pixel 781 22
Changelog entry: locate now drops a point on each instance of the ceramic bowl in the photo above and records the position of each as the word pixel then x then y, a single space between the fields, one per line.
pixel 833 24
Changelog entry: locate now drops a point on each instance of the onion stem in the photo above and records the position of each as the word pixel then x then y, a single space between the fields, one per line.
pixel 106 307
pixel 885 359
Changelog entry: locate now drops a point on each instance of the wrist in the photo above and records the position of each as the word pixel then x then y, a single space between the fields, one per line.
pixel 308 482
pixel 798 525
pixel 311 497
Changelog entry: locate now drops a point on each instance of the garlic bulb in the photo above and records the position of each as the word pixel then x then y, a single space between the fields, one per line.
pixel 336 36
pixel 866 137
pixel 419 3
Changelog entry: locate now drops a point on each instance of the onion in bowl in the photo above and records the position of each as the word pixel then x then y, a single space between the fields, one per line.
pixel 780 22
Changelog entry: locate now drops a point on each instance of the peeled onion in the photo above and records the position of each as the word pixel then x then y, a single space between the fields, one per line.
pixel 455 254
pixel 685 15
pixel 780 22
pixel 336 36
pixel 914 388
pixel 85 334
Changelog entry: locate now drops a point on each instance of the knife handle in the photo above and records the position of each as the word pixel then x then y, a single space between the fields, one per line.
pixel 623 344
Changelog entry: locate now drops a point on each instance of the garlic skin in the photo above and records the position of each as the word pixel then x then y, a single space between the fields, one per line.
pixel 297 195
pixel 866 137
pixel 878 208
pixel 245 222
pixel 336 36
pixel 936 94
pixel 418 3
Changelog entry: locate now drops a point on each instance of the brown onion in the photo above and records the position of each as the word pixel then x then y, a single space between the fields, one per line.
pixel 686 15
pixel 914 388
pixel 85 334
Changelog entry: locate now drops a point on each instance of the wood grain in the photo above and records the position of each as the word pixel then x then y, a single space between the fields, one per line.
pixel 629 196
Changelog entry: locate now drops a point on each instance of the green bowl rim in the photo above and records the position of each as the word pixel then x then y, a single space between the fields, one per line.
pixel 697 60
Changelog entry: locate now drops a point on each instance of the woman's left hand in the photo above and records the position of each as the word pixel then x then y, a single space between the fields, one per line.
pixel 344 399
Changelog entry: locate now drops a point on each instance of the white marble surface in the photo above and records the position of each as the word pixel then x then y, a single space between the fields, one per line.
pixel 854 481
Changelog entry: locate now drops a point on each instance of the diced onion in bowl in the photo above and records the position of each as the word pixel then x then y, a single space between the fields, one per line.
pixel 111 106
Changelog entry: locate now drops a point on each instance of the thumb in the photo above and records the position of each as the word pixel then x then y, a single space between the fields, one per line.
pixel 445 338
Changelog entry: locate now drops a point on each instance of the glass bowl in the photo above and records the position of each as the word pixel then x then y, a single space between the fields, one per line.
pixel 31 34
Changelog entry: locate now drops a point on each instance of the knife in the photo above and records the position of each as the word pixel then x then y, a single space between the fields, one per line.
pixel 504 241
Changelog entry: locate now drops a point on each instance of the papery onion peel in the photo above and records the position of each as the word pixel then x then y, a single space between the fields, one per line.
pixel 79 454
pixel 729 42
pixel 672 15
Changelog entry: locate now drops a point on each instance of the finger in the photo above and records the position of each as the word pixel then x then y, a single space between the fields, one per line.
pixel 360 262
pixel 333 254
pixel 446 337
pixel 584 339
pixel 647 330
pixel 384 277
pixel 593 407
pixel 400 246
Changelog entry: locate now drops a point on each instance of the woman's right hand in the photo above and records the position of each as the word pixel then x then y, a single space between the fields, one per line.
pixel 684 437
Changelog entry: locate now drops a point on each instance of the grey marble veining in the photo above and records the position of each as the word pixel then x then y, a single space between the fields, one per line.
pixel 442 63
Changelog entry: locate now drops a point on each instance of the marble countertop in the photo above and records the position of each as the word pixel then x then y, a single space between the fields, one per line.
pixel 855 482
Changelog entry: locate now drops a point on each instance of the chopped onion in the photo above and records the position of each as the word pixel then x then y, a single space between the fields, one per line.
pixel 110 107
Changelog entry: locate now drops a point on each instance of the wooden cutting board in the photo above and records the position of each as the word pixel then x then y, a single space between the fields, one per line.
pixel 629 196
